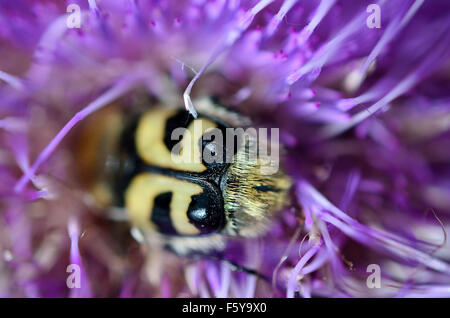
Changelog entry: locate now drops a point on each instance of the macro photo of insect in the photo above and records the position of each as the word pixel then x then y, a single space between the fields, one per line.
pixel 224 149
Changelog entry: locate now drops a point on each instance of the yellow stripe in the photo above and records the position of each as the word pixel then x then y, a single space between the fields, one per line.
pixel 150 142
pixel 145 187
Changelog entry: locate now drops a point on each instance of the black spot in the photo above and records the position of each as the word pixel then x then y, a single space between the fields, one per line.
pixel 206 213
pixel 181 119
pixel 213 151
pixel 161 214
pixel 266 188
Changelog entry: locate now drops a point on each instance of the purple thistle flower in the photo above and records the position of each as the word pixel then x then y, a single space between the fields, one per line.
pixel 364 114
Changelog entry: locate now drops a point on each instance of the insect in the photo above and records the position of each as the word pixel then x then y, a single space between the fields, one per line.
pixel 178 198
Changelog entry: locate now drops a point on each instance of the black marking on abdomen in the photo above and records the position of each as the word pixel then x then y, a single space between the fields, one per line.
pixel 205 213
pixel 161 213
pixel 129 162
pixel 180 120
pixel 266 188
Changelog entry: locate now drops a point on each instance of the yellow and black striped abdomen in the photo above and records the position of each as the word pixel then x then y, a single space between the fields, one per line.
pixel 171 193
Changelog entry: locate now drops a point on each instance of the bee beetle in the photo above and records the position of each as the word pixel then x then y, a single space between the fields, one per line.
pixel 177 198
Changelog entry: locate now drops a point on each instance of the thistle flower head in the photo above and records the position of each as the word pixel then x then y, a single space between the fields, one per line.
pixel 359 91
